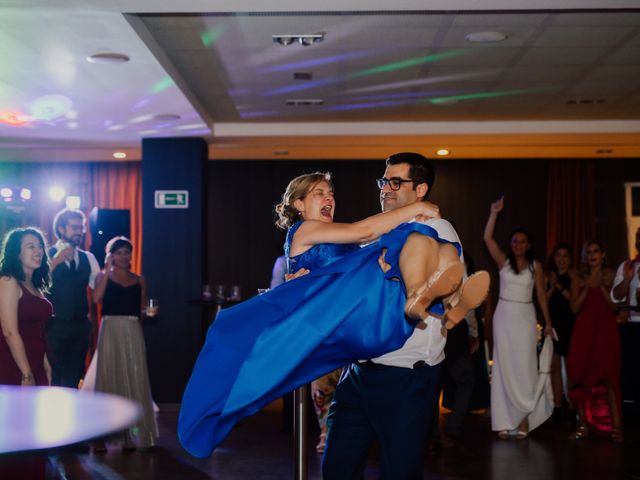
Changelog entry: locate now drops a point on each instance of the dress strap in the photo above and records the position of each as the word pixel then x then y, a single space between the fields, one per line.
pixel 289 240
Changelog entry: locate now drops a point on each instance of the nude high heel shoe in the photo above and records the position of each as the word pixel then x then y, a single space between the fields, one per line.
pixel 470 295
pixel 440 284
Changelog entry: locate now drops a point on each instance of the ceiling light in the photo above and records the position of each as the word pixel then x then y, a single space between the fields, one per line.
pixel 281 153
pixel 56 193
pixel 304 40
pixel 304 101
pixel 604 151
pixel 25 193
pixel 6 192
pixel 119 155
pixel 486 37
pixel 108 58
pixel 443 152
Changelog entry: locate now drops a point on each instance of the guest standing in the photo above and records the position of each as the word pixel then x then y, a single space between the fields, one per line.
pixel 72 271
pixel 122 358
pixel 24 276
pixel 594 360
pixel 516 405
pixel 558 294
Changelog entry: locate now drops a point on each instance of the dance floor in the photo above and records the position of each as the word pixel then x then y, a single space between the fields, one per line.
pixel 257 449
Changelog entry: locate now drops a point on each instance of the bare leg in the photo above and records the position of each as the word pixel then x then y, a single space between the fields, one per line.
pixel 582 431
pixel 418 260
pixel 426 275
pixel 616 423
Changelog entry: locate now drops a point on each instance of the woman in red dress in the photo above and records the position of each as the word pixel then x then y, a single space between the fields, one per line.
pixel 24 275
pixel 594 361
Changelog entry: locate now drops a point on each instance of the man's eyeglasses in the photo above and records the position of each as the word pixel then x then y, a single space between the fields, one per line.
pixel 394 183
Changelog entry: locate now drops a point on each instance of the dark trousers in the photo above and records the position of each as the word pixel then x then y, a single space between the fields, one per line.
pixel 68 343
pixel 390 405
pixel 459 378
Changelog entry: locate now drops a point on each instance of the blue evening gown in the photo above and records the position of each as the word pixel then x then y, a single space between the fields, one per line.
pixel 346 309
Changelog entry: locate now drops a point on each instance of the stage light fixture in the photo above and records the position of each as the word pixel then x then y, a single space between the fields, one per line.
pixel 25 193
pixel 119 155
pixel 443 152
pixel 6 192
pixel 72 201
pixel 57 193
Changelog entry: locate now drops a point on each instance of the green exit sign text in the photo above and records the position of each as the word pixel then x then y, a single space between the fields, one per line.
pixel 172 199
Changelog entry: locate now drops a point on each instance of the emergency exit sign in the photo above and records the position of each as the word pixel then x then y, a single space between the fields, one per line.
pixel 172 198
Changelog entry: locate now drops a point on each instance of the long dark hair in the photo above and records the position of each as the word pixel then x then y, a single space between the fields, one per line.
pixel 10 265
pixel 551 263
pixel 528 254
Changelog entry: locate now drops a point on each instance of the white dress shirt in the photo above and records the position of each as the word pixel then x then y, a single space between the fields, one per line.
pixel 631 296
pixel 428 344
pixel 93 263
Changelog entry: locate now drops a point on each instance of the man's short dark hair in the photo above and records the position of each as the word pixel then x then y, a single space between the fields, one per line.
pixel 62 218
pixel 420 169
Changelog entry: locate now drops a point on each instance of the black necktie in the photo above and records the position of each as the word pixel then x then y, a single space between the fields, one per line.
pixel 72 265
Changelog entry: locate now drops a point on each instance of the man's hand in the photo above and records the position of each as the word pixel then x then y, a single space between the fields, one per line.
pixel 293 276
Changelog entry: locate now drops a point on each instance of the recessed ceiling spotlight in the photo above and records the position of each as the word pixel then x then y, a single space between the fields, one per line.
pixel 486 37
pixel 108 58
pixel 304 40
pixel 166 117
pixel 304 101
pixel 443 152
pixel 119 155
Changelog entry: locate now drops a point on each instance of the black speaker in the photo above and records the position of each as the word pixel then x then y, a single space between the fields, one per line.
pixel 105 224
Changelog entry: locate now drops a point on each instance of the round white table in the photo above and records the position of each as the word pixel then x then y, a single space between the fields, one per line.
pixel 41 418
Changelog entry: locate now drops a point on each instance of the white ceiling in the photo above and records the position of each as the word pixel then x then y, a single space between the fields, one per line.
pixel 565 82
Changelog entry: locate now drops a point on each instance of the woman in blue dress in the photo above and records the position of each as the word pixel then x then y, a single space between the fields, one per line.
pixel 347 308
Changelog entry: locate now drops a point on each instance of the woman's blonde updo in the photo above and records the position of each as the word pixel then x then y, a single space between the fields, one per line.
pixel 297 189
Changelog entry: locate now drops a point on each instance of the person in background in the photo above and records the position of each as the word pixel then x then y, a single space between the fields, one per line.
pixel 594 360
pixel 24 310
pixel 72 271
pixel 626 284
pixel 516 406
pixel 122 359
pixel 558 294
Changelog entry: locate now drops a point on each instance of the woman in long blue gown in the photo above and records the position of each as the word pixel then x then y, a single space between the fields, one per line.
pixel 347 308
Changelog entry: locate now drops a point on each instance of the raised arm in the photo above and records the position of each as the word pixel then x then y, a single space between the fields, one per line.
pixel 101 281
pixel 9 298
pixel 312 232
pixel 494 250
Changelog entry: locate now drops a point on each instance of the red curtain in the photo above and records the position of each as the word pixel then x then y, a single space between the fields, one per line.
pixel 570 204
pixel 119 186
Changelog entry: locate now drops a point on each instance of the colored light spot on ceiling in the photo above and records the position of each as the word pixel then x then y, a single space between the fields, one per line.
pixel 211 35
pixel 411 62
pixel 50 107
pixel 479 95
pixel 162 85
pixel 12 118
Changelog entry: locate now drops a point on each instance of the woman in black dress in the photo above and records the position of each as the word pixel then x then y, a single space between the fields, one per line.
pixel 559 278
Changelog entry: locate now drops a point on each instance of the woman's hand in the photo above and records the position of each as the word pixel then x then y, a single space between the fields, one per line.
pixel 548 330
pixel 428 210
pixel 108 262
pixel 28 380
pixel 498 205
